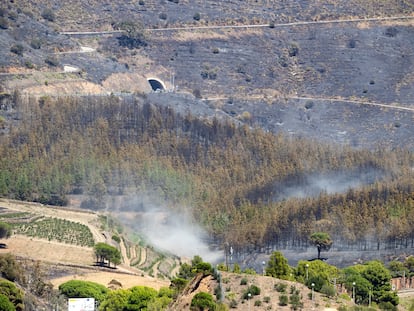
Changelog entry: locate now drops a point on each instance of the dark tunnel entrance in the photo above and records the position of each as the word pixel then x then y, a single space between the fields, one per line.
pixel 156 85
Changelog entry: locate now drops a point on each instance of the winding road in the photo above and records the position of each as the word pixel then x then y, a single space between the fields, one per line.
pixel 291 24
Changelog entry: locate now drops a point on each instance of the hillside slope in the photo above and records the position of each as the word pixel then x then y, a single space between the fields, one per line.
pixel 266 58
pixel 234 287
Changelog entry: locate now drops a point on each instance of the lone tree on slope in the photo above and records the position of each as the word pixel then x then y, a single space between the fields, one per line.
pixel 107 253
pixel 322 241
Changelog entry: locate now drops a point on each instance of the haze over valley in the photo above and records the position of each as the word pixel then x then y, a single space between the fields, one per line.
pixel 228 130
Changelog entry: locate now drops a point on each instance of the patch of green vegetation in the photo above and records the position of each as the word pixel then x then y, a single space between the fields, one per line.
pixel 57 229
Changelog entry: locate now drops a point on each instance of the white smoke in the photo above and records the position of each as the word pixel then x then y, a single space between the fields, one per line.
pixel 165 228
pixel 339 182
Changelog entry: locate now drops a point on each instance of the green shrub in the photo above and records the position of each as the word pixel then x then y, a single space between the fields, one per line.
pixel 280 287
pixel 204 267
pixel 283 300
pixel 83 289
pixel 178 284
pixel 253 290
pixel 236 268
pixel 203 301
pixel 295 301
pixel 233 304
pixel 257 303
pixel 387 306
pixel 266 299
pixel 328 290
pixel 116 238
pixel 13 294
pixel 243 281
pixel 249 271
pixel 6 304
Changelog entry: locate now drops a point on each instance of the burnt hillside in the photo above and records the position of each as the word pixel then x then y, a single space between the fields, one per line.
pixel 307 69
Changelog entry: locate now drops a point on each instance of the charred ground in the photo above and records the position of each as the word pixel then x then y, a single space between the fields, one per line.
pixel 309 70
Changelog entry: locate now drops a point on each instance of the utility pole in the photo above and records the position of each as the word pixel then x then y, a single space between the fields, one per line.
pixel 173 82
pixel 231 255
pixel 353 291
pixel 226 247
pixel 369 298
pixel 403 278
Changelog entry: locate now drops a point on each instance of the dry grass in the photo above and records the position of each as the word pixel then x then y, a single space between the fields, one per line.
pixel 104 278
pixel 49 251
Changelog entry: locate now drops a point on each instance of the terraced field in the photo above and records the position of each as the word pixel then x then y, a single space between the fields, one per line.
pixel 63 236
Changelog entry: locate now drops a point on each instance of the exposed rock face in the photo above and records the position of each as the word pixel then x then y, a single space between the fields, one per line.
pixel 200 283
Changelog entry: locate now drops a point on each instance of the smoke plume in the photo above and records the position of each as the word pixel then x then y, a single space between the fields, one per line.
pixel 164 227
